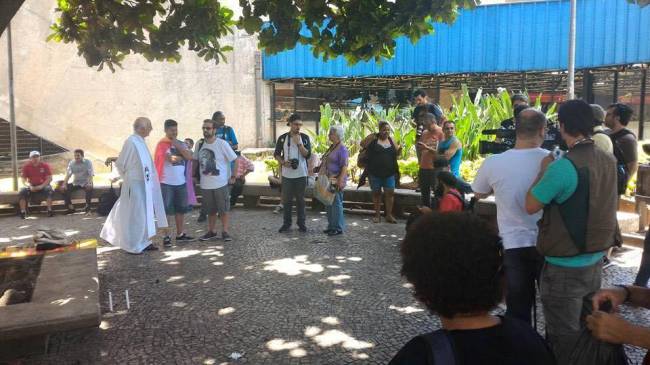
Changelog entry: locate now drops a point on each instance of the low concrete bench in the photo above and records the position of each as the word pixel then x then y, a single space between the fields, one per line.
pixel 11 197
pixel 66 297
pixel 406 200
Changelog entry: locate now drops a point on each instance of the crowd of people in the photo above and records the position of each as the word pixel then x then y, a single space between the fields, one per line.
pixel 556 218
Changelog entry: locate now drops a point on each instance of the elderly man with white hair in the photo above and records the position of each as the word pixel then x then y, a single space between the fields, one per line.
pixel 336 162
pixel 132 222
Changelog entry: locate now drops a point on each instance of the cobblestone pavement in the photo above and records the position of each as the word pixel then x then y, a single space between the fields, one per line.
pixel 272 298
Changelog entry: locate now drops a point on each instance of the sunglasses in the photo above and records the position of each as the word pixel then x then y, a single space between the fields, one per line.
pixel 207 128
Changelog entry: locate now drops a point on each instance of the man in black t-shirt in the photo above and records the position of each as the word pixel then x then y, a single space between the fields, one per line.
pixel 423 107
pixel 623 140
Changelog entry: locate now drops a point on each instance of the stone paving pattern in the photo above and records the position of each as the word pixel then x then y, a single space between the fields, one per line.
pixel 273 298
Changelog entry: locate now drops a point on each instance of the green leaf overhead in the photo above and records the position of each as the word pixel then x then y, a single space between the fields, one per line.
pixel 106 31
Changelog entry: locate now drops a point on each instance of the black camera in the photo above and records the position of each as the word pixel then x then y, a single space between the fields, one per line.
pixel 507 136
pixel 294 163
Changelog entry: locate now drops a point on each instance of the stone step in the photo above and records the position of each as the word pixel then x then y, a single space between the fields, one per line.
pixel 628 222
pixel 633 239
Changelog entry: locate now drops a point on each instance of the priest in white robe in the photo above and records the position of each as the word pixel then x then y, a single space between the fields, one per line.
pixel 132 222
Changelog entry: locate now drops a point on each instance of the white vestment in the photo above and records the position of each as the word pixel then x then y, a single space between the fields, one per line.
pixel 132 221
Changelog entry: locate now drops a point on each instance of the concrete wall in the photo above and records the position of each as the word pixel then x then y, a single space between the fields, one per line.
pixel 60 98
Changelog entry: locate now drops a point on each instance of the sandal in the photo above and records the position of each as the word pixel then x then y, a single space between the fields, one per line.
pixel 376 219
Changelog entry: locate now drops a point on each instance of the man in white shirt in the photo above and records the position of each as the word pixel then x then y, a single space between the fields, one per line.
pixel 508 176
pixel 214 156
pixel 292 151
pixel 171 161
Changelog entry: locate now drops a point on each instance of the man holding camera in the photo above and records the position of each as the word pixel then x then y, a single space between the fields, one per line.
pixel 508 176
pixel 292 151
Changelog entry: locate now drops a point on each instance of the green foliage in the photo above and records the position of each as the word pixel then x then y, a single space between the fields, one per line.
pixel 359 123
pixel 485 111
pixel 107 31
pixel 409 168
pixel 273 165
pixel 468 168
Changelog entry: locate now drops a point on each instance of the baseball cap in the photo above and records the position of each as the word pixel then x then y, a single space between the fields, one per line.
pixel 34 153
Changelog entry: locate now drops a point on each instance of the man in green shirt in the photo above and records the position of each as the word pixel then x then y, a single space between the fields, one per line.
pixel 578 195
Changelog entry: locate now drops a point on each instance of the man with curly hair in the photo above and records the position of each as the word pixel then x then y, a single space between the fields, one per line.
pixel 457 274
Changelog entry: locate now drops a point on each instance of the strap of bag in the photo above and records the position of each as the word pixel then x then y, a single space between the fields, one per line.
pixel 442 351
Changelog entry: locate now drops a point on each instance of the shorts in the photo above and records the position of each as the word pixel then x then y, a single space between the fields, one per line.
pixel 216 200
pixel 376 183
pixel 47 192
pixel 175 199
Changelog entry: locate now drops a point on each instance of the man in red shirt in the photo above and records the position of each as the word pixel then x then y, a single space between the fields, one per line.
pixel 428 147
pixel 36 176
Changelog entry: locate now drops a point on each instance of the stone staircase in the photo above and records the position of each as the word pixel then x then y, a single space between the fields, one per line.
pixel 27 141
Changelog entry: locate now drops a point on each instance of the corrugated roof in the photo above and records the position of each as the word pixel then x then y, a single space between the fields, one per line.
pixel 498 38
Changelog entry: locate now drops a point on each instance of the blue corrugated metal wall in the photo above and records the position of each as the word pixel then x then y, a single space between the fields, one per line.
pixel 498 38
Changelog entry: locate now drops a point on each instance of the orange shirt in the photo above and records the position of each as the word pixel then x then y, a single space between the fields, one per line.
pixel 430 138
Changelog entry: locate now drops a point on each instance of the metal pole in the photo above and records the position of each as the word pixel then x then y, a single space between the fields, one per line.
pixel 572 52
pixel 615 92
pixel 644 78
pixel 12 112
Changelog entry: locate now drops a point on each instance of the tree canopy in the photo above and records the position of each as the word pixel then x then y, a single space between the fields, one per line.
pixel 106 31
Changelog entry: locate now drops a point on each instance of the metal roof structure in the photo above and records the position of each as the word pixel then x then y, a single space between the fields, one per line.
pixel 514 38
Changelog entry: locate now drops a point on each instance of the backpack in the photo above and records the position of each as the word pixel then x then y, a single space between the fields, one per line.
pixel 106 202
pixel 441 348
pixel 467 206
pixel 622 173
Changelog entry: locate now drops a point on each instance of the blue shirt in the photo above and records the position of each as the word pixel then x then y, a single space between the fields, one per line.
pixel 557 184
pixel 454 161
pixel 227 134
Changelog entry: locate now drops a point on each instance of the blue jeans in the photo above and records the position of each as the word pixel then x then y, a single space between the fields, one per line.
pixel 335 218
pixel 522 267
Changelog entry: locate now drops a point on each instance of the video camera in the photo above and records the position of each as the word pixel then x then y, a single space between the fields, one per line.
pixel 508 136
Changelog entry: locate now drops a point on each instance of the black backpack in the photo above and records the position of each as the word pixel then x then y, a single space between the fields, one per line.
pixel 106 202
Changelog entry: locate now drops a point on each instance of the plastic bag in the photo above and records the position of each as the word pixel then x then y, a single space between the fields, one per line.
pixel 590 350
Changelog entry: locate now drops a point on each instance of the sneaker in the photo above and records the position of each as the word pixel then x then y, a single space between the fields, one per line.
pixel 302 228
pixel 23 215
pixel 184 238
pixel 50 213
pixel 87 209
pixel 226 237
pixel 202 218
pixel 69 211
pixel 167 241
pixel 327 231
pixel 277 209
pixel 208 236
pixel 151 247
pixel 284 228
pixel 334 232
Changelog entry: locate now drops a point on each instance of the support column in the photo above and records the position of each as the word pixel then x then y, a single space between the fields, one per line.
pixel 12 112
pixel 644 78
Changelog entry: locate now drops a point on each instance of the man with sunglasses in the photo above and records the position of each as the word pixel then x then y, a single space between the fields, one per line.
pixel 215 156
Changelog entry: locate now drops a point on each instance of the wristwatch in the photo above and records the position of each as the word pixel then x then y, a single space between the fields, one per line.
pixel 627 292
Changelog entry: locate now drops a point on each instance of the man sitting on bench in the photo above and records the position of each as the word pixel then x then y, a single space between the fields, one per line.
pixel 81 171
pixel 36 176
